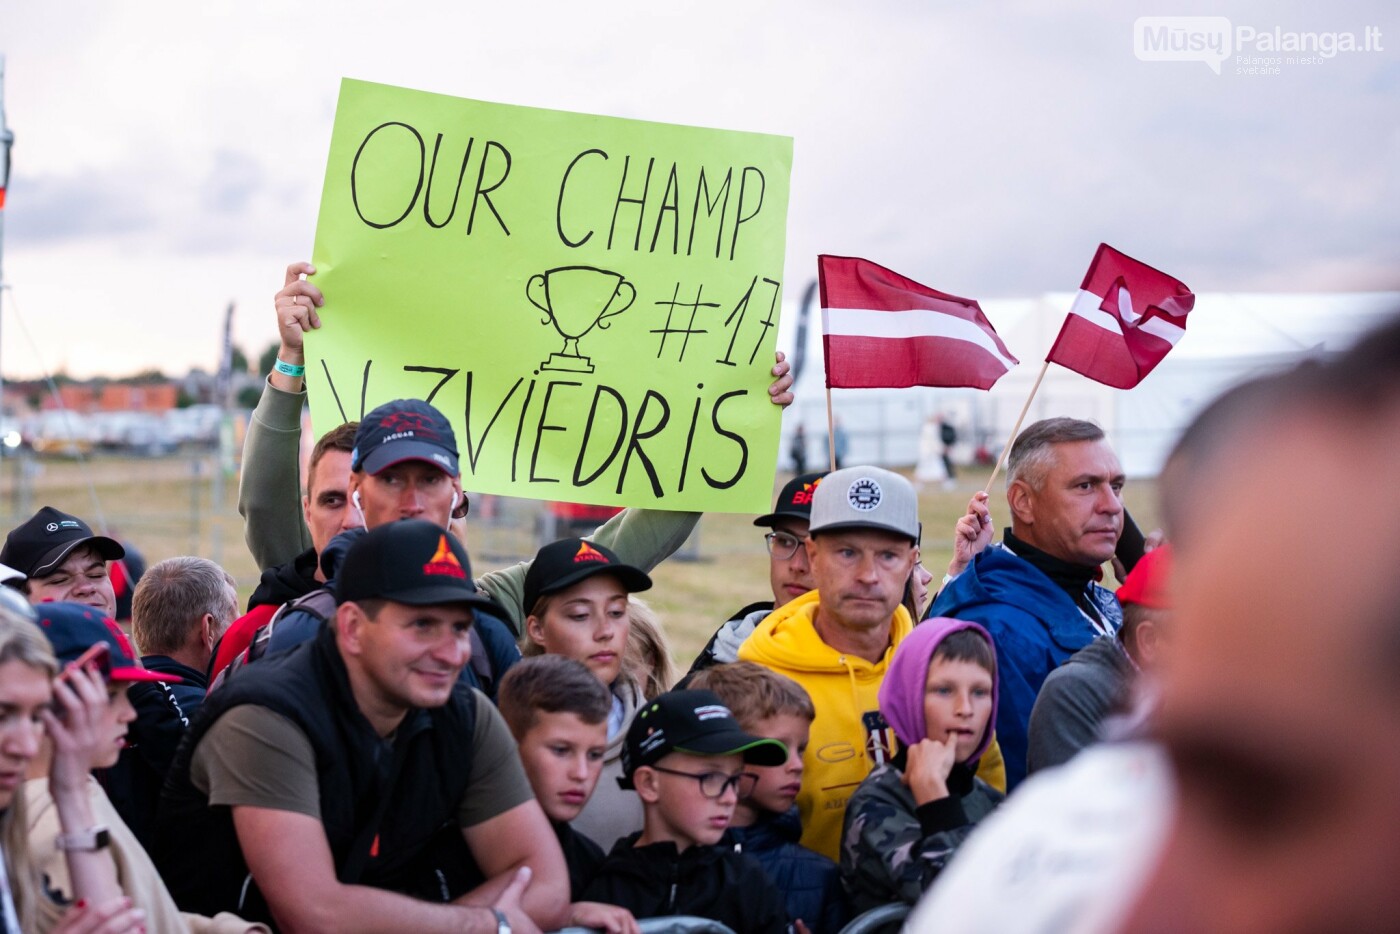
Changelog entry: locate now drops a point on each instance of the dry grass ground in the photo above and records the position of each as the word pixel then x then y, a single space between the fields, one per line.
pixel 167 506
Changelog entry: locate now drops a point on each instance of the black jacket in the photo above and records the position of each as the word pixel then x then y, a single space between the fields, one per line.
pixel 388 809
pixel 582 856
pixel 163 712
pixel 715 882
pixel 810 883
pixel 283 583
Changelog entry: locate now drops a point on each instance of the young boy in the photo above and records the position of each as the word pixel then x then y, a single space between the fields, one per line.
pixel 766 823
pixel 908 818
pixel 557 710
pixel 685 756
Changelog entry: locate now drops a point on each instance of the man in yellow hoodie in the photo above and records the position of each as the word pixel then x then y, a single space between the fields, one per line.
pixel 837 640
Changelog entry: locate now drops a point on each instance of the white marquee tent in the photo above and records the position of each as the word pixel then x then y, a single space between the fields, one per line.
pixel 1229 338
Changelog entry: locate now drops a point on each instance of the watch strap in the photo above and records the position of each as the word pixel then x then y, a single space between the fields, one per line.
pixel 94 838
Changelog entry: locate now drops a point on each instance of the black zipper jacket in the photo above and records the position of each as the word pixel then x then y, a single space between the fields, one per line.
pixel 715 882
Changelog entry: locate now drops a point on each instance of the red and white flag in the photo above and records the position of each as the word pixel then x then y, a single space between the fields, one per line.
pixel 1124 320
pixel 883 330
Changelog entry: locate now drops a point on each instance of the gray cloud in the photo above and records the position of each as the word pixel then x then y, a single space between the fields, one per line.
pixel 983 149
pixel 52 209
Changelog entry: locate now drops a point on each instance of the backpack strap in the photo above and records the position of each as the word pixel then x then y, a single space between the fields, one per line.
pixel 480 664
pixel 319 604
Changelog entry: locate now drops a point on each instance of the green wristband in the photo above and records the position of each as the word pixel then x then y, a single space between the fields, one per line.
pixel 287 369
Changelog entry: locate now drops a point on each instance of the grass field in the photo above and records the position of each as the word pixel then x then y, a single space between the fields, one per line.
pixel 172 506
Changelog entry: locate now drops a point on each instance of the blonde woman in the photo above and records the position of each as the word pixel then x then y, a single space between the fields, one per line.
pixel 76 632
pixel 27 694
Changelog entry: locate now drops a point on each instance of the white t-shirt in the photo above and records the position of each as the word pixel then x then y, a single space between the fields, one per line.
pixel 1069 851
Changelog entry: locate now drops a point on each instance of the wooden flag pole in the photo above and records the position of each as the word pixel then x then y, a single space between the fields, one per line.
pixel 1006 451
pixel 830 430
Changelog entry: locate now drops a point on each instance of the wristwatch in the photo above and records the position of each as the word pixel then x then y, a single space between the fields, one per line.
pixel 502 922
pixel 84 841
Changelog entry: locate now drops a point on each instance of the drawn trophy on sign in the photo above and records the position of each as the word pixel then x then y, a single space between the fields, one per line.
pixel 575 299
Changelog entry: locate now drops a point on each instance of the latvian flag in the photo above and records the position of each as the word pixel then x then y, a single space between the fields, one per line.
pixel 883 330
pixel 1125 318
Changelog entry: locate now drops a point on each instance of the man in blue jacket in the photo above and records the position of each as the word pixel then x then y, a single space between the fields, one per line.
pixel 1037 592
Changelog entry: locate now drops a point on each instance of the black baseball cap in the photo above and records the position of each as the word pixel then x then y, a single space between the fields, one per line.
pixel 73 628
pixel 795 499
pixel 694 722
pixel 404 430
pixel 411 561
pixel 564 563
pixel 40 545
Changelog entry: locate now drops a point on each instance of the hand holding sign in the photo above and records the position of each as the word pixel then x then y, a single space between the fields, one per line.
pixel 296 306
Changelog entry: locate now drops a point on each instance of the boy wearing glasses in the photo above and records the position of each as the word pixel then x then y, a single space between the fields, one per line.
pixel 766 822
pixel 685 756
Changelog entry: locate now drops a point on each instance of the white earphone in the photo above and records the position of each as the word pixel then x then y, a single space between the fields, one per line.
pixel 355 499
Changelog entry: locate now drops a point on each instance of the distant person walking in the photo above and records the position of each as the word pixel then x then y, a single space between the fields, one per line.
pixel 949 436
pixel 798 450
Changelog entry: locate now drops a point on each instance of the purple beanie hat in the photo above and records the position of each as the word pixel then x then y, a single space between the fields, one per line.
pixel 902 691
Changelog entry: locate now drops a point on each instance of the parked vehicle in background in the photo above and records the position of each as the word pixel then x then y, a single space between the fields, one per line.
pixel 196 425
pixel 60 434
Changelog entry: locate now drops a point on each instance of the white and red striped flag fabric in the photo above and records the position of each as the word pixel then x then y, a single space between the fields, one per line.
pixel 1124 320
pixel 881 330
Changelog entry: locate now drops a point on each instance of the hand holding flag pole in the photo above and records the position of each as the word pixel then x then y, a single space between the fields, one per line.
pixel 1125 319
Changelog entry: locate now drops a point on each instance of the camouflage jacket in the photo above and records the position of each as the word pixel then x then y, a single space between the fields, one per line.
pixel 893 849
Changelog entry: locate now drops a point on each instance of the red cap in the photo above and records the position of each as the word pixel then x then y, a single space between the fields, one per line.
pixel 73 628
pixel 1147 583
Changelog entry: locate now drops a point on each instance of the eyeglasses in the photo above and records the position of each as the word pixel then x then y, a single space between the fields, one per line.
pixel 715 784
pixel 783 545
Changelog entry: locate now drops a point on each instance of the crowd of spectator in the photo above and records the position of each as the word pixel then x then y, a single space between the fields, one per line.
pixel 385 739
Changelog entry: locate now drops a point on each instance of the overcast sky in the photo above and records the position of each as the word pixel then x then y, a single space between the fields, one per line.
pixel 169 155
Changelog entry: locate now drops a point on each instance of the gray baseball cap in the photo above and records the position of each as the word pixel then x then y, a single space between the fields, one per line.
pixel 866 498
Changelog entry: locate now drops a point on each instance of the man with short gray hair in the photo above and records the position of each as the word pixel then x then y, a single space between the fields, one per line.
pixel 179 610
pixel 1037 592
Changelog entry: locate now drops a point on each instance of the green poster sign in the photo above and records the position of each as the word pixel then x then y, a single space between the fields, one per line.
pixel 592 301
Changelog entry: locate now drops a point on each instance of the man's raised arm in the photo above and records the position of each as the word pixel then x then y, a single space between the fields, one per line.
pixel 269 488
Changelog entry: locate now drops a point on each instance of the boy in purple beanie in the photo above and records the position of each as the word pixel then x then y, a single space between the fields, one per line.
pixel 909 816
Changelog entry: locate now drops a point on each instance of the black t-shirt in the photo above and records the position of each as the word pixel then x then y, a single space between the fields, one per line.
pixel 582 856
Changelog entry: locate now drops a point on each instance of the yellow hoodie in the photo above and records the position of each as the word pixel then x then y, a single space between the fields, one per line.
pixel 849 736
